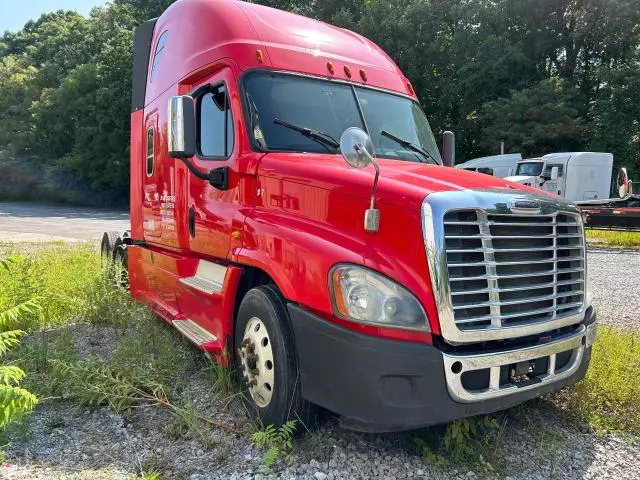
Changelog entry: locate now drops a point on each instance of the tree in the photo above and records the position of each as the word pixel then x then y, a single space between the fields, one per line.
pixel 615 118
pixel 543 75
pixel 534 121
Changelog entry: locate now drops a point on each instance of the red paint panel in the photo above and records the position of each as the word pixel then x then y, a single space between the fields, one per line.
pixel 136 173
pixel 293 215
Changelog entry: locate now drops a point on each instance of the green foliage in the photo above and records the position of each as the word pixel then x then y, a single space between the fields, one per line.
pixel 615 117
pixel 611 238
pixel 15 401
pixel 221 378
pixel 541 75
pixel 149 366
pixel 278 442
pixel 475 441
pixel 608 398
pixel 539 120
pixel 144 475
pixel 69 284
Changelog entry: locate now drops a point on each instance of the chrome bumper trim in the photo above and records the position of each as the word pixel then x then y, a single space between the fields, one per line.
pixel 493 361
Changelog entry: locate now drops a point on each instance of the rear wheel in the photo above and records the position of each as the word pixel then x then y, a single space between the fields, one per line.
pixel 107 246
pixel 120 265
pixel 266 359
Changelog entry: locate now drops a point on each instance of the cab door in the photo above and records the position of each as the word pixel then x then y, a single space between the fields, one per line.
pixel 555 186
pixel 213 211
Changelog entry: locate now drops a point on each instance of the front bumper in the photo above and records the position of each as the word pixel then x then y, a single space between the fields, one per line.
pixel 379 385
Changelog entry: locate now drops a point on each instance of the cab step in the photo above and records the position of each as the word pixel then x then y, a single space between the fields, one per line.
pixel 194 332
pixel 209 278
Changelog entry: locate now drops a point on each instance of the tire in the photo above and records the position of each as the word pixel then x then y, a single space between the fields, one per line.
pixel 120 265
pixel 107 246
pixel 263 308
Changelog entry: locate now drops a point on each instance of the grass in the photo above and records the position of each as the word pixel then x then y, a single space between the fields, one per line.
pixel 612 238
pixel 144 362
pixel 66 280
pixel 150 366
pixel 608 398
pixel 473 441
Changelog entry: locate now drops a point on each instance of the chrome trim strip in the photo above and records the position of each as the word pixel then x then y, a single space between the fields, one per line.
pixel 493 361
pixel 494 202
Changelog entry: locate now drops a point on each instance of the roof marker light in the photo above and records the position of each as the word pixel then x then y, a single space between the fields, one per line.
pixel 363 75
pixel 259 56
pixel 410 88
pixel 347 71
pixel 330 68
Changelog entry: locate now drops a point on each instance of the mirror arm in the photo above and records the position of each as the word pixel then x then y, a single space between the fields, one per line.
pixel 372 215
pixel 194 170
pixel 217 177
pixel 375 180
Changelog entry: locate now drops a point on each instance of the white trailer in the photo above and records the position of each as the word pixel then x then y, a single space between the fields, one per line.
pixel 496 165
pixel 575 176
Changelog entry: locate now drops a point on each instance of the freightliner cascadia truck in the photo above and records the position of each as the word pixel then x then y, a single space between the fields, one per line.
pixel 292 216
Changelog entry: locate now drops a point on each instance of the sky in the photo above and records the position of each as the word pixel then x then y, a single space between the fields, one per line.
pixel 15 13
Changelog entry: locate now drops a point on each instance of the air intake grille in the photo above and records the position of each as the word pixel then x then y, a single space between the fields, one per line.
pixel 511 270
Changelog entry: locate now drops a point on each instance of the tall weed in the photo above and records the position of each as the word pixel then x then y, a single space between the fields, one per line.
pixel 608 398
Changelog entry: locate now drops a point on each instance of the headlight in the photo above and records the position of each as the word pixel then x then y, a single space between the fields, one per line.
pixel 364 296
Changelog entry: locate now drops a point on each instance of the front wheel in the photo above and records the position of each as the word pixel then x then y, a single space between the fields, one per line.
pixel 266 359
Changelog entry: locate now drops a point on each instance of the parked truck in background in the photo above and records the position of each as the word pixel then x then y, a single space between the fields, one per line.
pixel 497 165
pixel 575 176
pixel 291 216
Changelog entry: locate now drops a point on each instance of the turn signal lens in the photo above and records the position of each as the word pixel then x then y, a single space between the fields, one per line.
pixel 364 296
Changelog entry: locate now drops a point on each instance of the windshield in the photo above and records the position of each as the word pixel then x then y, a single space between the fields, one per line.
pixel 331 108
pixel 529 169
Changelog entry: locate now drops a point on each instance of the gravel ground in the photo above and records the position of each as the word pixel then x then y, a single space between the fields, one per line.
pixel 64 442
pixel 615 280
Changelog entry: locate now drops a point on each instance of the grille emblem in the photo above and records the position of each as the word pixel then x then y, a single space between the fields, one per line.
pixel 525 206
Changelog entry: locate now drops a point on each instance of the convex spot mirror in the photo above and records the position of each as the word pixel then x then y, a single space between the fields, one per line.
pixel 356 147
pixel 181 127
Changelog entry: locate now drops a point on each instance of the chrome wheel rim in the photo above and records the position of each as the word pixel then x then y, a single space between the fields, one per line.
pixel 256 355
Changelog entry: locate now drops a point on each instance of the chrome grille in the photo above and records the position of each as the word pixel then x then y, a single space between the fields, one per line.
pixel 509 270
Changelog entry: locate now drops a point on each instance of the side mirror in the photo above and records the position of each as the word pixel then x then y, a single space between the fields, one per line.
pixel 448 149
pixel 554 173
pixel 356 148
pixel 181 127
pixel 624 187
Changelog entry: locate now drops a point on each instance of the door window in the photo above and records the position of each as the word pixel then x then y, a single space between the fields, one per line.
pixel 548 167
pixel 150 150
pixel 215 124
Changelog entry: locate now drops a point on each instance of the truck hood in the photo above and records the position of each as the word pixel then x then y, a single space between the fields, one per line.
pixel 400 182
pixel 520 179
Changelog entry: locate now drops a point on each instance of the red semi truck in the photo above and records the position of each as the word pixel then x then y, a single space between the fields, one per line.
pixel 291 216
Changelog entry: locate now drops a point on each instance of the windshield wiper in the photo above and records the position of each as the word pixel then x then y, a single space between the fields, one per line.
pixel 409 146
pixel 323 138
